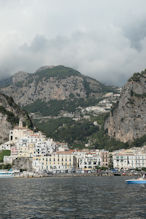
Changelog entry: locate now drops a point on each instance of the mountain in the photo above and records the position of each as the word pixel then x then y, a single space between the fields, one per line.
pixel 63 104
pixel 59 100
pixel 127 120
pixel 10 113
pixel 54 88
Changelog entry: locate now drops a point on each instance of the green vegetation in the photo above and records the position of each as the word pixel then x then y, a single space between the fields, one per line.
pixel 54 107
pixel 4 153
pixel 108 88
pixel 143 72
pixel 50 126
pixel 10 116
pixel 27 121
pixel 10 100
pixel 87 87
pixel 136 76
pixel 19 84
pixel 29 80
pixel 75 133
pixel 138 142
pixel 133 94
pixel 100 139
pixel 59 72
pixel 78 133
pixel 100 88
pixel 100 119
pixel 114 106
pixel 139 95
pixel 12 104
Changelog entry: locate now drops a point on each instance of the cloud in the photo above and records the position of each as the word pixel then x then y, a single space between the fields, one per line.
pixel 105 40
pixel 136 33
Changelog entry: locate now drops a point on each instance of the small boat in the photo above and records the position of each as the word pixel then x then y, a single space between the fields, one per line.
pixel 136 181
pixel 6 173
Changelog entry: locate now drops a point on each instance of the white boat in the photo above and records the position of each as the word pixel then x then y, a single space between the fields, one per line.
pixel 136 181
pixel 6 173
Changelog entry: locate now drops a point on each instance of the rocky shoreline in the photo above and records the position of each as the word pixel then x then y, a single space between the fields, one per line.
pixel 36 175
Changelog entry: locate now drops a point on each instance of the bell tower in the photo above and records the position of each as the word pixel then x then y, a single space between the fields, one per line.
pixel 20 123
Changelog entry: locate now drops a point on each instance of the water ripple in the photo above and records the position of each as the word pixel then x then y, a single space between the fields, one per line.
pixel 71 198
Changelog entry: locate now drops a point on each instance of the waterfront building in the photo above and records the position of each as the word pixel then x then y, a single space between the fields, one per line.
pixel 89 161
pixel 56 162
pixel 105 158
pixel 130 159
pixel 80 154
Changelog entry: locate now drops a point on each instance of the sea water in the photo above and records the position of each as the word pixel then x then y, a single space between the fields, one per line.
pixel 71 197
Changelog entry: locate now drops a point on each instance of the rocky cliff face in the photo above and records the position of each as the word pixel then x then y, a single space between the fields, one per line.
pixel 127 120
pixel 49 83
pixel 22 163
pixel 10 113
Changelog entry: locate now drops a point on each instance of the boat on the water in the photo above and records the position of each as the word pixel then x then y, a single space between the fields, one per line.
pixel 6 173
pixel 136 181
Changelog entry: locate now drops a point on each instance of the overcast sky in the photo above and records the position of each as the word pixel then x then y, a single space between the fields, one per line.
pixel 104 39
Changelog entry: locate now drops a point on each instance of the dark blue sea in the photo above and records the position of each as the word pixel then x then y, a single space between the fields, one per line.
pixel 71 197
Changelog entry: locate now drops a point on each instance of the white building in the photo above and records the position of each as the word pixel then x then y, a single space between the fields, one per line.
pixel 61 146
pixel 130 159
pixel 89 161
pixel 6 146
pixel 20 132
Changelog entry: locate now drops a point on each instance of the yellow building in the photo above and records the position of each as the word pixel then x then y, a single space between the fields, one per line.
pixel 26 151
pixel 58 162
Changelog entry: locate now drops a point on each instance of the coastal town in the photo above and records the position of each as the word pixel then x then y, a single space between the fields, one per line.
pixel 33 152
